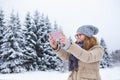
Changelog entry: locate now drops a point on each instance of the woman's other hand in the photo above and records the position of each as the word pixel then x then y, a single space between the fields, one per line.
pixel 63 39
pixel 53 43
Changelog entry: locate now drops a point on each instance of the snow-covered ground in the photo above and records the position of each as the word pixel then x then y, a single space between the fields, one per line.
pixel 106 74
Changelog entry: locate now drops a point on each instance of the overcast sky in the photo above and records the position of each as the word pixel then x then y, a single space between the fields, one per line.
pixel 70 14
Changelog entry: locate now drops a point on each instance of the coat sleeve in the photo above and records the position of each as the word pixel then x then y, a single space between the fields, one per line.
pixel 63 54
pixel 90 56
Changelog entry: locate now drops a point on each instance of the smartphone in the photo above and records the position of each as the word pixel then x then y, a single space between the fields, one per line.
pixel 56 35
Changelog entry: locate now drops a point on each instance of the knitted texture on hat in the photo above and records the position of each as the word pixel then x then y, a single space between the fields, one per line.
pixel 88 30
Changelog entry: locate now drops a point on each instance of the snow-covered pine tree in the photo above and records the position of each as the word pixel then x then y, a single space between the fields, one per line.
pixel 30 42
pixel 43 30
pixel 106 61
pixel 11 51
pixel 61 65
pixel 55 27
pixel 115 57
pixel 2 27
pixel 36 30
pixel 49 60
pixel 30 51
pixel 2 30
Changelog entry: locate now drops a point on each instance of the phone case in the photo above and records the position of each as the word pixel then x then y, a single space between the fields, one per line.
pixel 56 35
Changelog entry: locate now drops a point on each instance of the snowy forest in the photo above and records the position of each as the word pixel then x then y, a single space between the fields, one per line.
pixel 25 46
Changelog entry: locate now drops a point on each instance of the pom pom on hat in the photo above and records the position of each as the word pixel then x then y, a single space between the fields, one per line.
pixel 88 30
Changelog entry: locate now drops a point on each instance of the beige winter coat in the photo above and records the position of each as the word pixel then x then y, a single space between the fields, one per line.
pixel 89 61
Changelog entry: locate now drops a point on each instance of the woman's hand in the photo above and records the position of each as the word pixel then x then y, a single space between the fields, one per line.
pixel 53 43
pixel 63 39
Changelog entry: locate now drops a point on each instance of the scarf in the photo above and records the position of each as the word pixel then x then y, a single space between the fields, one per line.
pixel 73 61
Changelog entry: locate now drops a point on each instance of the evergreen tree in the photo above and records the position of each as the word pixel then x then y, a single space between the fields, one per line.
pixel 37 24
pixel 29 34
pixel 43 30
pixel 62 65
pixel 55 28
pixel 11 52
pixel 49 58
pixel 115 57
pixel 2 27
pixel 38 30
pixel 14 54
pixel 106 61
pixel 26 49
pixel 30 42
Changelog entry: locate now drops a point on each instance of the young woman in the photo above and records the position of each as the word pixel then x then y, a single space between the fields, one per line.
pixel 84 55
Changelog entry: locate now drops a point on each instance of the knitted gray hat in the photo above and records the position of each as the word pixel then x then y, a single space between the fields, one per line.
pixel 88 30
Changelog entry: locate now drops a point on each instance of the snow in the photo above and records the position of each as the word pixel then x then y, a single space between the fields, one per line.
pixel 110 73
pixel 106 74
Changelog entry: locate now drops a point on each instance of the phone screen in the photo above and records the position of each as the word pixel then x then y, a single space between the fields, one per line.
pixel 56 35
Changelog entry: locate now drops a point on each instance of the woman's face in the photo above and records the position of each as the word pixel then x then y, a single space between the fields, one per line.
pixel 79 37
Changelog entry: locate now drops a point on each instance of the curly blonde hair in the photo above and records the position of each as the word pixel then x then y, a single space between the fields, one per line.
pixel 89 42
